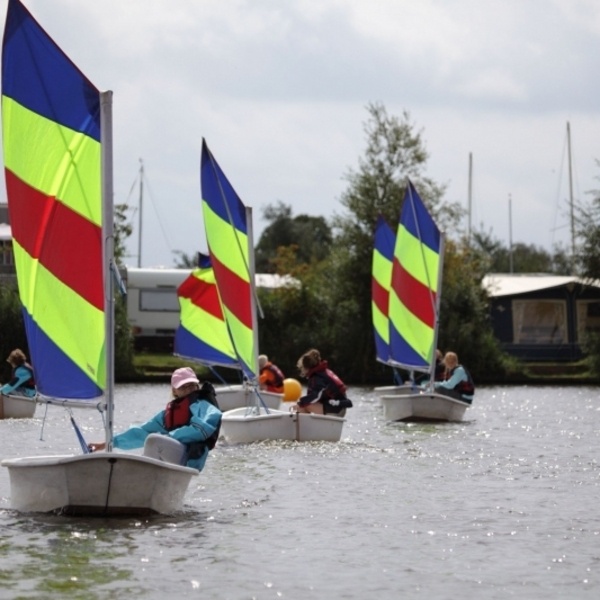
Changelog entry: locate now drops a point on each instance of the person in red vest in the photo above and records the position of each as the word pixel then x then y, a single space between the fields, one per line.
pixel 270 377
pixel 326 392
pixel 190 424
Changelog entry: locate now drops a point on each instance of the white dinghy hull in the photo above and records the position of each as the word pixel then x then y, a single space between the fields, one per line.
pixel 424 406
pixel 239 396
pixel 241 426
pixel 17 407
pixel 98 484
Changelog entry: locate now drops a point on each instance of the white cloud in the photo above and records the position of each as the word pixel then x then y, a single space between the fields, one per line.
pixel 279 91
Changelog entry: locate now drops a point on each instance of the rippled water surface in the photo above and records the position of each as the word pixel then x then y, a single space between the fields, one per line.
pixel 503 505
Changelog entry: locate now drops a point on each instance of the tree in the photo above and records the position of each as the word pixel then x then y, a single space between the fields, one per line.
pixel 123 339
pixel 311 236
pixel 588 264
pixel 526 258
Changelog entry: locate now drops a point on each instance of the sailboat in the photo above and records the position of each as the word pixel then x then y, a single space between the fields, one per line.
pixel 203 336
pixel 228 225
pixel 414 303
pixel 381 279
pixel 57 136
pixel 16 407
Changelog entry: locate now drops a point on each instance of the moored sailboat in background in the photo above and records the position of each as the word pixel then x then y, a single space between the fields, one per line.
pixel 57 135
pixel 414 303
pixel 228 224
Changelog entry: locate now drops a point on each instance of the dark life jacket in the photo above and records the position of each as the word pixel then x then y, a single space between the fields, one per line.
pixel 333 388
pixel 178 414
pixel 464 387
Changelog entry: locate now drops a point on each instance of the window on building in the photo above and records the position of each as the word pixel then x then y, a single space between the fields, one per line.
pixel 539 321
pixel 588 318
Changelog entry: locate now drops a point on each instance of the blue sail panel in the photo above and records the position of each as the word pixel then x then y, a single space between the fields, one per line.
pixel 48 360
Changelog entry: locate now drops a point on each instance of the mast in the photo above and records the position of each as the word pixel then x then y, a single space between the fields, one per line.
pixel 139 260
pixel 438 299
pixel 572 209
pixel 253 297
pixel 470 196
pixel 510 241
pixel 109 252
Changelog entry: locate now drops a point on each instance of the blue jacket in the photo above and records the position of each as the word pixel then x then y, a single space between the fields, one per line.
pixel 203 423
pixel 458 380
pixel 21 376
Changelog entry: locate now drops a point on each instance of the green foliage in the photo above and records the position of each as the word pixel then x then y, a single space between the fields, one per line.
pixel 465 326
pixel 310 235
pixel 12 328
pixel 185 261
pixel 526 258
pixel 591 347
pixel 122 230
pixel 124 355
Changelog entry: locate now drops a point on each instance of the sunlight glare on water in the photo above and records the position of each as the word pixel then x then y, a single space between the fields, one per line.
pixel 501 505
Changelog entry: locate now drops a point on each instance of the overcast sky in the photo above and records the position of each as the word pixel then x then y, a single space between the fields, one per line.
pixel 279 89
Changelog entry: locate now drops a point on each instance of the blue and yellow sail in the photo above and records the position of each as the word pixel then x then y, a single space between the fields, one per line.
pixel 381 279
pixel 228 234
pixel 202 334
pixel 415 286
pixel 52 158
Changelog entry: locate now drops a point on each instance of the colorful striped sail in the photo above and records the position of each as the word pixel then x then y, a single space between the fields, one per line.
pixel 415 287
pixel 202 335
pixel 52 158
pixel 229 235
pixel 383 255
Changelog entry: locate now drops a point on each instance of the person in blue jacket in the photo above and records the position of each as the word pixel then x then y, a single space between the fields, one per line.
pixel 458 383
pixel 191 418
pixel 22 382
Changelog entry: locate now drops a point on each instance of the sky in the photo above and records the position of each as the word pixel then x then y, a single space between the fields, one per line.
pixel 279 90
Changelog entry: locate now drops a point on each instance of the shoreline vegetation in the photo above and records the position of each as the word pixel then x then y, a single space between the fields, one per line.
pixel 157 368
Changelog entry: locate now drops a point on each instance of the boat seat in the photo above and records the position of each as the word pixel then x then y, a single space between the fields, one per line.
pixel 164 448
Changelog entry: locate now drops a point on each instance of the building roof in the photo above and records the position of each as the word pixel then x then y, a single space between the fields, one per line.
pixel 511 284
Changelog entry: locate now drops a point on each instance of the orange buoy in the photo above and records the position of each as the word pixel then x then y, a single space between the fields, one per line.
pixel 292 390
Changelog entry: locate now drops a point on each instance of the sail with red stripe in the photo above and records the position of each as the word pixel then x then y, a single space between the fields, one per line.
pixel 381 279
pixel 202 334
pixel 415 286
pixel 228 225
pixel 52 158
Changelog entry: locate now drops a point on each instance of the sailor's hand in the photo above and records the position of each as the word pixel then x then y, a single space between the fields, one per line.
pixel 96 447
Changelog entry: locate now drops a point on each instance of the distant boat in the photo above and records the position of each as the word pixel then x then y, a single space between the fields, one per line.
pixel 203 336
pixel 57 132
pixel 414 302
pixel 228 224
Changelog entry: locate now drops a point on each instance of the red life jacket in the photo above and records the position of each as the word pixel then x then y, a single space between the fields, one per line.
pixel 277 380
pixel 334 386
pixel 178 414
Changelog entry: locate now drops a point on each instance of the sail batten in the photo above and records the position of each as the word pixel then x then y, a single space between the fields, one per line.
pixel 414 301
pixel 52 151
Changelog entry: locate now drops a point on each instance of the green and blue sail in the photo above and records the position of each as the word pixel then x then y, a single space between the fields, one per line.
pixel 52 158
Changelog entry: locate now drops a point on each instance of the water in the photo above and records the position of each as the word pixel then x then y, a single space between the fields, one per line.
pixel 504 505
